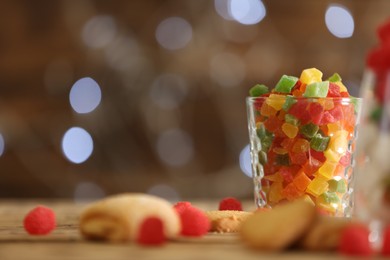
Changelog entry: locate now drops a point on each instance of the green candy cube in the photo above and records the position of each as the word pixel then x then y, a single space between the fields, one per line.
pixel 285 84
pixel 319 142
pixel 334 78
pixel 263 158
pixel 337 186
pixel 290 100
pixel 329 198
pixel 258 90
pixel 317 89
pixel 291 119
pixel 309 130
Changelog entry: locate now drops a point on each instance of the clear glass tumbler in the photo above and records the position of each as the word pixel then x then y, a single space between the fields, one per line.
pixel 303 148
pixel 373 150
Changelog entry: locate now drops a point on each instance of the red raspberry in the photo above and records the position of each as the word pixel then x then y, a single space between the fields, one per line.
pixel 181 206
pixel 151 232
pixel 40 221
pixel 354 241
pixel 386 242
pixel 194 222
pixel 230 203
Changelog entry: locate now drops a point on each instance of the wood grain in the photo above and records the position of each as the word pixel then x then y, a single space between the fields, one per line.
pixel 66 243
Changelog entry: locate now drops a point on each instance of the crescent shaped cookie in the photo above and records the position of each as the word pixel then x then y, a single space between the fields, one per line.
pixel 227 221
pixel 117 218
pixel 280 227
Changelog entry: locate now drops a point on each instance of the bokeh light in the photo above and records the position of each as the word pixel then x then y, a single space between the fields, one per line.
pixel 222 8
pixel 2 144
pixel 247 12
pixel 87 191
pixel 168 91
pixel 339 21
pixel 174 33
pixel 77 145
pixel 175 147
pixel 164 191
pixel 245 161
pixel 85 95
pixel 99 31
pixel 227 69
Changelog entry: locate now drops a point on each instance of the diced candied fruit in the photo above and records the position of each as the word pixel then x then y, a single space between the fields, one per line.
pixel 291 192
pixel 276 101
pixel 309 130
pixel 276 177
pixel 334 78
pixel 290 100
pixel 291 119
pixel 311 75
pixel 332 156
pixel 301 145
pixel 299 158
pixel 267 110
pixel 319 143
pixel 311 166
pixel 337 185
pixel 317 89
pixel 301 181
pixel 258 90
pixel 327 170
pixel 290 130
pixel 317 186
pixel 275 192
pixel 285 84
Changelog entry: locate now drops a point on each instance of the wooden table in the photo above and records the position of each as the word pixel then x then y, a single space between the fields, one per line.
pixel 66 243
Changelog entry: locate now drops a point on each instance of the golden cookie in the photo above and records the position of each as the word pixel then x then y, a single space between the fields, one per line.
pixel 118 218
pixel 324 234
pixel 227 221
pixel 280 227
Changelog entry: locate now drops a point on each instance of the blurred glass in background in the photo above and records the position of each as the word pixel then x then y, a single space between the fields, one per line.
pixel 101 97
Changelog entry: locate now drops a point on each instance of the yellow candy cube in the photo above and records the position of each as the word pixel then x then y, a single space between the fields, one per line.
pixel 334 127
pixel 327 169
pixel 275 192
pixel 339 141
pixel 290 130
pixel 332 156
pixel 309 76
pixel 276 101
pixel 342 87
pixel 317 186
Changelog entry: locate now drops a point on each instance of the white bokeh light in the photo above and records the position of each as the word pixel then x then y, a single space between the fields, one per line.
pixel 175 147
pixel 168 91
pixel 247 12
pixel 2 144
pixel 77 145
pixel 245 161
pixel 222 8
pixel 174 33
pixel 339 21
pixel 85 95
pixel 99 31
pixel 87 191
pixel 227 69
pixel 164 191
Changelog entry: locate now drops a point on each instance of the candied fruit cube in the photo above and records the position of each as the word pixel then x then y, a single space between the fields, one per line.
pixel 301 180
pixel 332 156
pixel 339 186
pixel 317 186
pixel 309 130
pixel 291 192
pixel 290 130
pixel 276 101
pixel 334 78
pixel 258 90
pixel 319 143
pixel 317 89
pixel 327 169
pixel 285 84
pixel 290 100
pixel 275 192
pixel 311 75
pixel 301 145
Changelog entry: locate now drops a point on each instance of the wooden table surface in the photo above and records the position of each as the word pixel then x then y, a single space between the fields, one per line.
pixel 66 243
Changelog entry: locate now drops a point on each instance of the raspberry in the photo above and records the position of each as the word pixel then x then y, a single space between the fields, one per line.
pixel 230 203
pixel 386 242
pixel 194 222
pixel 181 206
pixel 354 241
pixel 40 221
pixel 151 232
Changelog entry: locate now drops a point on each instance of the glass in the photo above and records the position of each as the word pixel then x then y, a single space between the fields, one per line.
pixel 373 171
pixel 303 148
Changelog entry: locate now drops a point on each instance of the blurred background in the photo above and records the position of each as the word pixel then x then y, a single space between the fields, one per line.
pixel 100 97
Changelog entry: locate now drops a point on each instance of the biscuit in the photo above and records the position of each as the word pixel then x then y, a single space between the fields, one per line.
pixel 325 234
pixel 118 218
pixel 227 221
pixel 280 227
